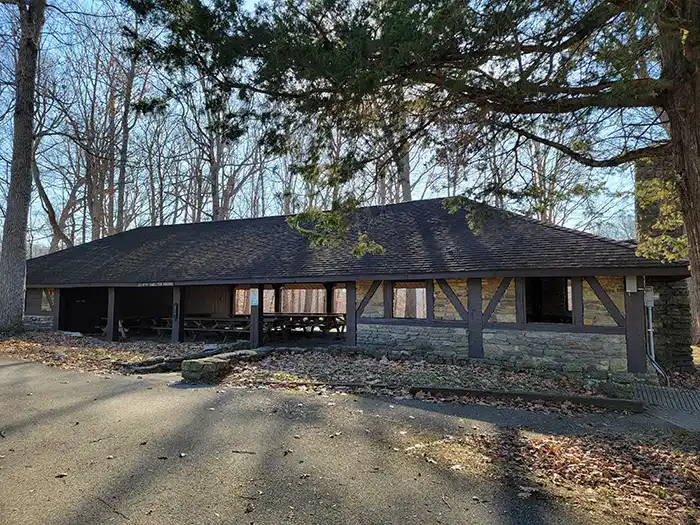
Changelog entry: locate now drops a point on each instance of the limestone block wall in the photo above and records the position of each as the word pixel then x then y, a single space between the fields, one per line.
pixel 375 308
pixel 416 339
pixel 568 352
pixel 444 310
pixel 672 323
pixel 505 310
pixel 594 311
pixel 38 322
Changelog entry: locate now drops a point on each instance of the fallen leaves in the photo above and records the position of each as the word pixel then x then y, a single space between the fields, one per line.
pixel 648 480
pixel 88 353
pixel 303 371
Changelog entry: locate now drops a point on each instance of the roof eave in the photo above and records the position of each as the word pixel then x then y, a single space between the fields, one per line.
pixel 676 271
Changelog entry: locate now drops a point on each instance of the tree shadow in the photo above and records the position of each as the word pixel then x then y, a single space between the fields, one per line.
pixel 250 455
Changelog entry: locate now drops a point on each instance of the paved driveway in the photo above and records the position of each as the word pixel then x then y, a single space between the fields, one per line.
pixel 237 456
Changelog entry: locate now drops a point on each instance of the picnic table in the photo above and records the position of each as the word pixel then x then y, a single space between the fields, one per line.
pixel 237 325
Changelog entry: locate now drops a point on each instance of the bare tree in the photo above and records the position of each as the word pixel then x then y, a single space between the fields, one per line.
pixel 14 248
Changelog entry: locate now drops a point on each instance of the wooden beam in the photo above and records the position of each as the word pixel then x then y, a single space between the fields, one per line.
pixel 257 301
pixel 476 336
pixel 449 292
pixel 278 298
pixel 577 300
pixel 388 294
pixel 368 297
pixel 59 309
pixel 520 300
pixel 556 327
pixel 680 271
pixel 609 304
pixel 350 313
pixel 442 323
pixel 635 330
pixel 429 300
pixel 177 334
pixel 112 315
pixel 330 288
pixel 493 303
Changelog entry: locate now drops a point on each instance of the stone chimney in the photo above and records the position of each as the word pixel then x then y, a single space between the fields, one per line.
pixel 672 319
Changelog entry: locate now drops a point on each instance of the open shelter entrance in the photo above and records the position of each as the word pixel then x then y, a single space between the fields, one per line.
pixel 288 314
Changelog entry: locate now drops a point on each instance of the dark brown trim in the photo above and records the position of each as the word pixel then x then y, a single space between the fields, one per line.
pixel 350 313
pixel 368 297
pixel 414 322
pixel 430 300
pixel 544 327
pixel 635 328
pixel 112 315
pixel 476 337
pixel 493 303
pixel 330 295
pixel 256 318
pixel 660 271
pixel 577 300
pixel 520 300
pixel 388 299
pixel 278 298
pixel 609 304
pixel 449 292
pixel 177 334
pixel 59 310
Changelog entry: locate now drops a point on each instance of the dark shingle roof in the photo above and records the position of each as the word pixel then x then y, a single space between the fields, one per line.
pixel 419 237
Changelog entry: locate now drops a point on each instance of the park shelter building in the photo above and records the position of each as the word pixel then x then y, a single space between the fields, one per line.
pixel 478 283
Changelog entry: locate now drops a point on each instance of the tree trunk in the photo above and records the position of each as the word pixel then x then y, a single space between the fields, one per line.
pixel 681 63
pixel 403 168
pixel 124 149
pixel 14 241
pixel 57 231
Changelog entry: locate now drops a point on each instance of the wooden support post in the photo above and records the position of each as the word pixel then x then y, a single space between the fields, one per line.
pixel 278 298
pixel 520 301
pixel 635 330
pixel 429 300
pixel 351 313
pixel 476 336
pixel 256 315
pixel 577 300
pixel 59 309
pixel 388 299
pixel 330 297
pixel 177 334
pixel 112 315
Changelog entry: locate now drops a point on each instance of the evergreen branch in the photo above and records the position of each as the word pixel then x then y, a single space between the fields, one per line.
pixel 611 162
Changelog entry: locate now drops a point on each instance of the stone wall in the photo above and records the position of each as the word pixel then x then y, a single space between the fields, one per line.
pixel 38 322
pixel 375 308
pixel 569 352
pixel 672 323
pixel 416 339
pixel 444 310
pixel 505 310
pixel 594 311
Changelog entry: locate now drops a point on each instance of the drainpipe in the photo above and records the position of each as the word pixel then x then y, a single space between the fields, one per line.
pixel 649 305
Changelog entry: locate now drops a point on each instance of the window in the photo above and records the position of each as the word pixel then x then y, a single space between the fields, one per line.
pixel 410 300
pixel 548 300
